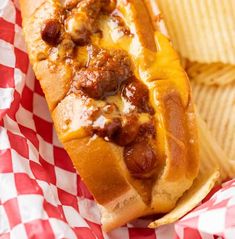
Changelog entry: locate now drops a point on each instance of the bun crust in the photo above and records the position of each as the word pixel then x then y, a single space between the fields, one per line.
pixel 101 164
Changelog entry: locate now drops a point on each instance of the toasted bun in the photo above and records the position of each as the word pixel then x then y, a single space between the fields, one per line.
pixel 100 163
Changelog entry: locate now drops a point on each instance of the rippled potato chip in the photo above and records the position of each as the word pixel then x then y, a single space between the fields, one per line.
pixel 210 74
pixel 212 155
pixel 216 106
pixel 201 30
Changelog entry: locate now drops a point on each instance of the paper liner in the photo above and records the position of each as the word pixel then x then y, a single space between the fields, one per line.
pixel 41 195
pixel 201 30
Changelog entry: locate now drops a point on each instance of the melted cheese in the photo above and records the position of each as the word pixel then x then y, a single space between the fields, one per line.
pixel 160 70
pixel 82 55
pixel 149 66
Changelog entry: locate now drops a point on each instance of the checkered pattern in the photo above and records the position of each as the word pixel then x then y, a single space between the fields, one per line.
pixel 215 217
pixel 41 195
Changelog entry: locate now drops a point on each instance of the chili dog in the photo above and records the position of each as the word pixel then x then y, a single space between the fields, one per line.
pixel 120 102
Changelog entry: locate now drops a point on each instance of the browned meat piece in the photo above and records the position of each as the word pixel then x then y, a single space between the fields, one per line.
pixel 104 74
pixel 140 159
pixel 51 31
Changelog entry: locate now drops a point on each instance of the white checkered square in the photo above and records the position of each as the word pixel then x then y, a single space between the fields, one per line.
pixel 33 152
pixel 231 202
pixel 194 213
pixel 19 78
pixel 46 150
pixel 54 191
pixel 4 223
pixel 73 217
pixel 89 210
pixel 11 125
pixel 7 10
pixel 179 230
pixel 4 141
pixel 40 107
pixel 61 229
pixel 6 97
pixel 25 118
pixel 7 187
pixel 49 192
pixel 233 183
pixel 7 56
pixel 206 235
pixel 31 207
pixel 164 232
pixel 225 194
pixel 119 233
pixel 66 180
pixel 216 218
pixel 19 39
pixel 229 233
pixel 20 164
pixel 18 232
pixel 3 4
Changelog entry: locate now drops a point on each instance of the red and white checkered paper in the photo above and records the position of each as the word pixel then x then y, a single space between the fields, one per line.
pixel 41 195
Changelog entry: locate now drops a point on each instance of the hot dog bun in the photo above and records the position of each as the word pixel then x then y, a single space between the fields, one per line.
pixel 137 163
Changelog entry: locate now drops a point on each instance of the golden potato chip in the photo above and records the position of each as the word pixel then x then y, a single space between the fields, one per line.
pixel 201 30
pixel 210 74
pixel 211 154
pixel 216 106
